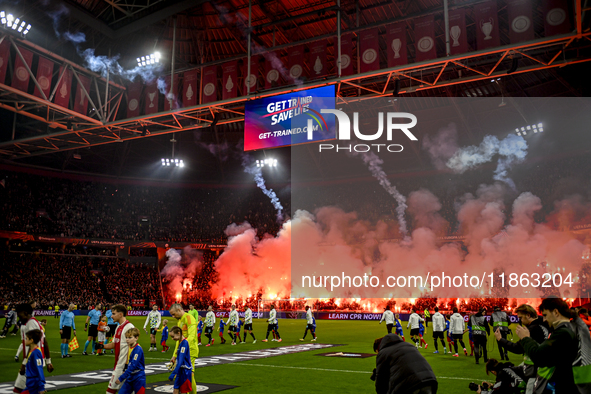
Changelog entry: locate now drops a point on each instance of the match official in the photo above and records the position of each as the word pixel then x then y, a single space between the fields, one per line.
pixel 67 325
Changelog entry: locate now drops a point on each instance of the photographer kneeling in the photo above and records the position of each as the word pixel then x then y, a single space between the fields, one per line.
pixel 510 379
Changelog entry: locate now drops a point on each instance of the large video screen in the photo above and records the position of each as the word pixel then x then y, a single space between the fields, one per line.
pixel 283 120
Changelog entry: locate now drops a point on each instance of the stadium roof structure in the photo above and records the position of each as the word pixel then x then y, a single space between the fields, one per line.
pixel 193 34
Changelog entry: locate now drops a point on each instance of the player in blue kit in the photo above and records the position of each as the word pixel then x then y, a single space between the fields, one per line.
pixel 471 340
pixel 238 328
pixel 450 341
pixel 398 324
pixel 183 372
pixel 134 377
pixel 164 337
pixel 421 332
pixel 221 330
pixel 34 367
pixel 199 331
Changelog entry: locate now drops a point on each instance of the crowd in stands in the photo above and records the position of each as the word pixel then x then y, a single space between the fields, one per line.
pixel 61 280
pixel 67 208
pixel 63 207
pixel 50 248
pixel 128 281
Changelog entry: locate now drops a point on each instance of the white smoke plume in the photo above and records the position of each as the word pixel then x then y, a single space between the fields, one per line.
pixel 471 156
pixel 512 149
pixel 260 181
pixel 98 63
pixel 374 164
pixel 181 270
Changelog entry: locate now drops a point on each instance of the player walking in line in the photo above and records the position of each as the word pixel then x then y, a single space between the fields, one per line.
pixel 193 312
pixel 209 323
pixel 34 364
pixel 413 323
pixel 154 318
pixel 232 323
pixel 25 314
pixel 399 330
pixel 119 344
pixel 94 316
pixel 309 324
pixel 164 336
pixel 248 324
pixel 272 326
pixel 421 333
pixel 221 330
pixel 275 329
pixel 183 373
pixel 102 334
pixel 438 329
pixel 133 379
pixel 188 325
pixel 450 341
pixel 199 330
pixel 388 316
pixel 457 326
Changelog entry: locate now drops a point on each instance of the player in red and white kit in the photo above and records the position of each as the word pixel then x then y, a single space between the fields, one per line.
pixel 25 314
pixel 119 344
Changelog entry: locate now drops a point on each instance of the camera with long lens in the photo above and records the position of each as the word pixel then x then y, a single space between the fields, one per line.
pixel 474 387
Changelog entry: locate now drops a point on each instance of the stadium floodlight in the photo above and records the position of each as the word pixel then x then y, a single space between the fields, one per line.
pixel 148 60
pixel 11 22
pixel 172 162
pixel 536 128
pixel 266 162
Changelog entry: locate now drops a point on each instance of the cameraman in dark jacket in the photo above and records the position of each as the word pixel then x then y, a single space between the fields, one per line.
pixel 401 369
pixel 510 379
pixel 559 351
pixel 538 331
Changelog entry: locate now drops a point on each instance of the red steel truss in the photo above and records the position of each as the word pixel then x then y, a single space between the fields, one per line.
pixel 76 131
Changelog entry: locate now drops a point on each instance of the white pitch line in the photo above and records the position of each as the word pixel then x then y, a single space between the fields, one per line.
pixel 331 370
pixel 80 354
pixel 287 367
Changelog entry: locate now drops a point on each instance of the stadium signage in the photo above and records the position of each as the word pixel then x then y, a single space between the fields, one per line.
pixel 289 119
pixel 353 316
pixel 344 133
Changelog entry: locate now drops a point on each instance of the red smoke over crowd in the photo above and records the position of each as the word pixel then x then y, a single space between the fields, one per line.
pixel 332 241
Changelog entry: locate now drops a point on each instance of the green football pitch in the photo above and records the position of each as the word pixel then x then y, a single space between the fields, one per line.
pixel 291 373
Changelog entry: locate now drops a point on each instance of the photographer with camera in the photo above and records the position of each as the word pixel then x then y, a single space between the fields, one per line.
pixel 556 354
pixel 538 330
pixel 510 379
